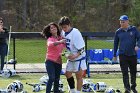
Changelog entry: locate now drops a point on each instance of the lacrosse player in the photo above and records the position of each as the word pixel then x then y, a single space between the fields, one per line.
pixel 76 60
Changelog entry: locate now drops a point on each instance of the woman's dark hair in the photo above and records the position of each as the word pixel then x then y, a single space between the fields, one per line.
pixel 64 21
pixel 46 30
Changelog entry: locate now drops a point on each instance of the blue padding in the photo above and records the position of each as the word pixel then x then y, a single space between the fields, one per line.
pixel 95 56
pixel 87 53
pixel 91 55
pixel 98 55
pixel 108 53
pixel 138 54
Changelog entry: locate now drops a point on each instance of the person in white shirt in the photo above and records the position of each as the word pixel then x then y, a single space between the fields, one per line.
pixel 76 61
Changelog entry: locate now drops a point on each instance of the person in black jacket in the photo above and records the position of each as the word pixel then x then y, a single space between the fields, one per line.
pixel 3 44
pixel 127 37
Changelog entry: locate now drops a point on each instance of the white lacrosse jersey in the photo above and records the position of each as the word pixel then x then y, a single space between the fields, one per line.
pixel 74 42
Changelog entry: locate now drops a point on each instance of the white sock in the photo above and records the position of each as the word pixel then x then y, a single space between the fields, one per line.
pixel 72 90
pixel 78 91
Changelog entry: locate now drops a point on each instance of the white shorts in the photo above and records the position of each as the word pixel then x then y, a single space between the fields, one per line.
pixel 76 65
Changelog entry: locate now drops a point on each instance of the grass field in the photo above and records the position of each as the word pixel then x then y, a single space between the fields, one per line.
pixel 29 51
pixel 114 80
pixel 34 50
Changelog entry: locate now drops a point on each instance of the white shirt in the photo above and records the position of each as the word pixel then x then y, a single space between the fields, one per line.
pixel 74 41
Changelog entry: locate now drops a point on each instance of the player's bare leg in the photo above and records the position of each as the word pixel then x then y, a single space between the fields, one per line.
pixel 68 74
pixel 79 78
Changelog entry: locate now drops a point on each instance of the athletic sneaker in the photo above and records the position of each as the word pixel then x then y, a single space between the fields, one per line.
pixel 127 91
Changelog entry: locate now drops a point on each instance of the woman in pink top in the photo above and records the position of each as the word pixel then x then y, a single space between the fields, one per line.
pixel 55 45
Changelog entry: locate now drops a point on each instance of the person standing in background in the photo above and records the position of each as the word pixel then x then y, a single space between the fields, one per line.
pixel 127 37
pixel 55 46
pixel 3 44
pixel 76 62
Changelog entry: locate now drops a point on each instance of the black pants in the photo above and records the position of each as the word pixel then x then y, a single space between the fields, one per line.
pixel 128 62
pixel 3 53
pixel 53 70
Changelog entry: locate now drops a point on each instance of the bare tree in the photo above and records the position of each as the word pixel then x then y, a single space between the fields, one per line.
pixel 1 4
pixel 24 17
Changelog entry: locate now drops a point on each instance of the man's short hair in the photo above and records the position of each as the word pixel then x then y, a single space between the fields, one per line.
pixel 64 21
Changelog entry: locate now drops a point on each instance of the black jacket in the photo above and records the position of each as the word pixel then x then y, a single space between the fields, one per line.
pixel 126 40
pixel 3 40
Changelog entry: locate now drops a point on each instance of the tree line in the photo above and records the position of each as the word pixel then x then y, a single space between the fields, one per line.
pixel 86 15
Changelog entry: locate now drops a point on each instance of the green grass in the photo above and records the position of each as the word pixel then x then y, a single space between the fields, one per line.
pixel 34 50
pixel 99 44
pixel 29 51
pixel 114 80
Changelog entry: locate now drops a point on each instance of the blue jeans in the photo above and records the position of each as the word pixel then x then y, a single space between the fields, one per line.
pixel 53 70
pixel 3 53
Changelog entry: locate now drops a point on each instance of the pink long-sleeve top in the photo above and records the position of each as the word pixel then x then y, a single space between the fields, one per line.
pixel 54 51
